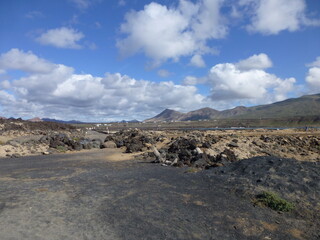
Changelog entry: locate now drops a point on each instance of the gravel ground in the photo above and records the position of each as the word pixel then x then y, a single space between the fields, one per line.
pixel 87 195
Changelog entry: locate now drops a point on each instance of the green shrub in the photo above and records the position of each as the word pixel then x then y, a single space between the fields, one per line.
pixel 192 170
pixel 61 149
pixel 273 201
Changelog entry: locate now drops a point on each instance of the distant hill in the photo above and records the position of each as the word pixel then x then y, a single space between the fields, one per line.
pixel 167 115
pixel 308 105
pixel 201 114
pixel 36 119
pixel 130 121
pixel 61 121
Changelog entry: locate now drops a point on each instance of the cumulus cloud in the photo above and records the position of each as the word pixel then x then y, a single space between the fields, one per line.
pixel 60 92
pixel 191 80
pixel 16 59
pixel 5 84
pixel 61 37
pixel 55 90
pixel 247 80
pixel 197 61
pixel 164 33
pixel 313 76
pixel 273 16
pixel 147 95
pixel 316 63
pixel 260 61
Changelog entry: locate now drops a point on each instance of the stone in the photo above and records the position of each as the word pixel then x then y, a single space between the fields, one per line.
pixel 109 144
pixel 96 143
pixel 134 147
pixel 15 155
pixel 210 152
pixel 227 156
pixel 198 150
pixel 233 144
pixel 202 162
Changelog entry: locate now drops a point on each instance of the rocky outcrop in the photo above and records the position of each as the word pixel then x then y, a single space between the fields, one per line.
pixel 133 140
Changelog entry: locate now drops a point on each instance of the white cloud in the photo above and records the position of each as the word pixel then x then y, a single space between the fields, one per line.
pixel 164 73
pixel 149 96
pixel 80 90
pixel 59 92
pixel 273 16
pixel 316 63
pixel 197 61
pixel 39 87
pixel 5 84
pixel 208 23
pixel 261 61
pixel 61 37
pixel 164 33
pixel 313 79
pixel 313 76
pixel 246 80
pixel 16 59
pixel 191 80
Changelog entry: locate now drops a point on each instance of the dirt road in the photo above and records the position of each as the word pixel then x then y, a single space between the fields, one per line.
pixel 89 195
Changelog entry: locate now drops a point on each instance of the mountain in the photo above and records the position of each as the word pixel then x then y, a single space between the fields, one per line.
pixel 130 121
pixel 308 105
pixel 60 121
pixel 166 115
pixel 201 114
pixel 36 119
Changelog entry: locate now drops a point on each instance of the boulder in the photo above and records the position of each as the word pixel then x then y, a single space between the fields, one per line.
pixel 96 143
pixel 227 156
pixel 134 147
pixel 109 144
pixel 233 144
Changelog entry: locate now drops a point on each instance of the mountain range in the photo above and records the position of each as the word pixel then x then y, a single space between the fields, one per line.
pixel 308 105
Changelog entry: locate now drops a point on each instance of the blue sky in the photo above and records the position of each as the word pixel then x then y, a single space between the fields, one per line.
pixel 105 60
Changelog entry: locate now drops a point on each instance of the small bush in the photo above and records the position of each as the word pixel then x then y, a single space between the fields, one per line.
pixel 61 149
pixel 274 202
pixel 192 170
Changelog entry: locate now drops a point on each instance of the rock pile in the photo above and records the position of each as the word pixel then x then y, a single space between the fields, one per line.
pixel 63 141
pixel 133 140
pixel 202 150
pixel 190 151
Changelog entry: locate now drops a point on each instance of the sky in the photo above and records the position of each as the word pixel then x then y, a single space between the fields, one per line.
pixel 109 60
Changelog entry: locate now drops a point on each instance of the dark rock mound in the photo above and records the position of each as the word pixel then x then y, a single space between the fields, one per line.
pixel 293 180
pixel 62 141
pixel 134 140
